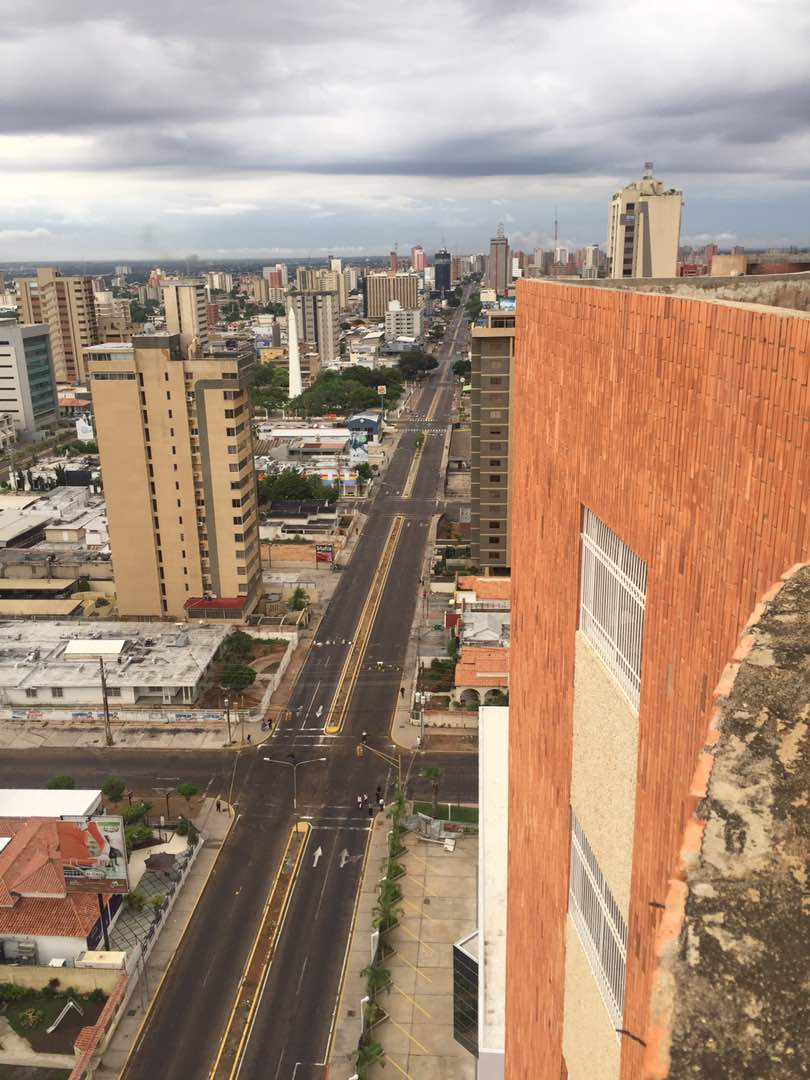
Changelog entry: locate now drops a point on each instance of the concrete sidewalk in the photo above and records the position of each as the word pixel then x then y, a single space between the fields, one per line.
pixel 438 908
pixel 213 827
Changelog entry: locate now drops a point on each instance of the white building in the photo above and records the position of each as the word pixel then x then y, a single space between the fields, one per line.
pixel 480 958
pixel 27 384
pixel 56 663
pixel 402 322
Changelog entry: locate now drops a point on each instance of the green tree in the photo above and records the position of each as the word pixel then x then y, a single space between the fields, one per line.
pixel 434 774
pixel 368 1054
pixel 237 677
pixel 462 368
pixel 365 472
pixel 188 791
pixel 299 599
pixel 377 979
pixel 236 646
pixel 61 783
pixel 416 364
pixel 113 789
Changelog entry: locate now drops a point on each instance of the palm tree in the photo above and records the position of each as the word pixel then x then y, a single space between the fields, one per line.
pixel 377 979
pixel 434 775
pixel 369 1053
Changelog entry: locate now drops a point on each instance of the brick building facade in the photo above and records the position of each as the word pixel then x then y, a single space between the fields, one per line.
pixel 683 427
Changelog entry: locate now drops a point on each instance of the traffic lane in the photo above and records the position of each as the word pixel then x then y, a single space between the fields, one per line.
pixel 210 770
pixel 287 1035
pixel 212 955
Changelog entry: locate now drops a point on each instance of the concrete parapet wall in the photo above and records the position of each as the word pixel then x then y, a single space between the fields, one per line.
pixel 37 977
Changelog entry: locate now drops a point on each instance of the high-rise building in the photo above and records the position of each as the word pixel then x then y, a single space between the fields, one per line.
pixel 66 304
pixel 27 384
pixel 418 258
pixel 174 435
pixel 318 322
pixel 591 261
pixel 442 264
pixel 219 279
pixel 113 318
pixel 644 229
pixel 498 271
pixel 379 289
pixel 401 322
pixel 186 311
pixel 492 349
pixel 648 526
pixel 319 280
pixel 255 287
pixel 335 265
pixel 393 262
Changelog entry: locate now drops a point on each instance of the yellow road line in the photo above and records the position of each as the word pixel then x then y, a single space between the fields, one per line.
pixel 150 1007
pixel 399 1068
pixel 413 1001
pixel 429 948
pixel 353 663
pixel 299 827
pixel 410 965
pixel 408 1034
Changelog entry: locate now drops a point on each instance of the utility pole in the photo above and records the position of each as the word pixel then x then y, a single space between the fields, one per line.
pixel 107 728
pixel 228 718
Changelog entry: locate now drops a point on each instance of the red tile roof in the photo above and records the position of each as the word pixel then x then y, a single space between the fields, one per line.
pixel 74 916
pixel 478 666
pixel 230 602
pixel 486 588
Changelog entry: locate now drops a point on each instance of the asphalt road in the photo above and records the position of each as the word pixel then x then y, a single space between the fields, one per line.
pixel 292 1024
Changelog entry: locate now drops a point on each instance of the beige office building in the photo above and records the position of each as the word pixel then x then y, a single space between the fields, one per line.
pixel 66 304
pixel 318 323
pixel 644 229
pixel 176 450
pixel 492 357
pixel 380 289
pixel 307 280
pixel 186 311
pixel 113 317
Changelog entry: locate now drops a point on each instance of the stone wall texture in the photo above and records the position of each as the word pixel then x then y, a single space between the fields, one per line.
pixel 684 425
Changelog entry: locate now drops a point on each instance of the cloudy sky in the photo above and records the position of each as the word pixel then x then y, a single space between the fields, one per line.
pixel 152 129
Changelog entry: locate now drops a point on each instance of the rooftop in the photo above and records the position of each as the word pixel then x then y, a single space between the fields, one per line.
pixel 730 994
pixel 65 654
pixel 486 667
pixel 486 588
pixel 42 802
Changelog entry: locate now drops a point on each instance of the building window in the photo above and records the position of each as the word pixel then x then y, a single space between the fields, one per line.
pixel 611 611
pixel 599 923
pixel 30 692
pixel 56 691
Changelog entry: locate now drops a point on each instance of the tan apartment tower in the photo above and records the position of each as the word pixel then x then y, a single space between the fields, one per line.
pixel 381 288
pixel 176 452
pixel 186 311
pixel 66 304
pixel 492 356
pixel 644 229
pixel 499 268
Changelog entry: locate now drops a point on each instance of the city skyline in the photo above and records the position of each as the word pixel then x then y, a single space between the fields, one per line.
pixel 150 138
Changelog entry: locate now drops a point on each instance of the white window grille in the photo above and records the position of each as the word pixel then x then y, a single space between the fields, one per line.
pixel 599 923
pixel 611 612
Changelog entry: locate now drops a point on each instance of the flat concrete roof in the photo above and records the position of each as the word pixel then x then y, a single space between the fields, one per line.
pixel 14 523
pixel 41 802
pixel 36 655
pixel 21 609
pixel 35 584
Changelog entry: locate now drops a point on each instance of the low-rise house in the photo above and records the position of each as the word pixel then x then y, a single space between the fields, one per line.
pixel 481 676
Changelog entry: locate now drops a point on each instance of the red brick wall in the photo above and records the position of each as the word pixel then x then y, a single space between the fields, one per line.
pixel 684 425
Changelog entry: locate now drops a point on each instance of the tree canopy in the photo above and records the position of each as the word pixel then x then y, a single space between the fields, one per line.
pixel 290 485
pixel 416 364
pixel 350 390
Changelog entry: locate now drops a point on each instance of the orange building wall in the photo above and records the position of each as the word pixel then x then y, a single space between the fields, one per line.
pixel 684 425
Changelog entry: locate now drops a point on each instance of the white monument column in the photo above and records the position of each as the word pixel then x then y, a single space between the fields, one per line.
pixel 295 383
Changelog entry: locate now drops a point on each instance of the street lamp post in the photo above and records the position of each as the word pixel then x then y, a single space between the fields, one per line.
pixel 228 718
pixel 294 766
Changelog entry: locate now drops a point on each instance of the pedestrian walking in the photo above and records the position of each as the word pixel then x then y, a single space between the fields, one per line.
pixel 364 738
pixel 359 802
pixel 379 790
pixel 219 806
pixel 381 803
pixel 365 800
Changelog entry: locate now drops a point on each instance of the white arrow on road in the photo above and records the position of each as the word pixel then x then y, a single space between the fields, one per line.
pixel 317 855
pixel 344 858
